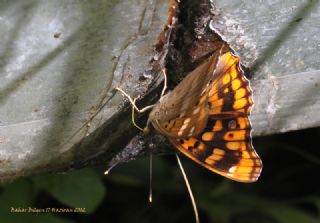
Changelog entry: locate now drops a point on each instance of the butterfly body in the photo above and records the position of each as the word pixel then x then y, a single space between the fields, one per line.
pixel 206 118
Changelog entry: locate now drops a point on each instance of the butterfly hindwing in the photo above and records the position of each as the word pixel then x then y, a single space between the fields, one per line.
pixel 224 147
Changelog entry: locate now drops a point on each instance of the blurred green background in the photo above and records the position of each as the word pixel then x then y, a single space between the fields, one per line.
pixel 288 190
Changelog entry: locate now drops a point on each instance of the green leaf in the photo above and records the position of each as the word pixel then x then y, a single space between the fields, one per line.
pixel 17 194
pixel 79 189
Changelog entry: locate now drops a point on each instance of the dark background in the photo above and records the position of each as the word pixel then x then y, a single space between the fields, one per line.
pixel 287 191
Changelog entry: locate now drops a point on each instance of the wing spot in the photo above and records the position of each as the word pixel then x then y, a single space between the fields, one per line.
pixel 181 141
pixel 212 91
pixel 191 131
pixel 212 159
pixel 196 144
pixel 187 121
pixel 240 93
pixel 218 126
pixel 240 103
pixel 234 72
pixel 245 169
pixel 182 114
pixel 202 99
pixel 233 145
pixel 207 136
pixel 226 79
pixel 232 169
pixel 236 84
pixel 196 111
pixel 247 163
pixel 229 136
pixel 242 123
pixel 218 152
pixel 232 124
pixel 237 153
pixel 183 127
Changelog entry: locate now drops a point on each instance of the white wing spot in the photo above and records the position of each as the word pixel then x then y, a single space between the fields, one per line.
pixel 196 111
pixel 232 169
pixel 191 131
pixel 187 121
pixel 183 127
pixel 182 114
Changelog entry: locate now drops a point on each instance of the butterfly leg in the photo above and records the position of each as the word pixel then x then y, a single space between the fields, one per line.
pixel 149 106
pixel 133 102
pixel 133 119
pixel 134 107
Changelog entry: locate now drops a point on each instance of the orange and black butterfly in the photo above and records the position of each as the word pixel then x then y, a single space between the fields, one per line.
pixel 206 117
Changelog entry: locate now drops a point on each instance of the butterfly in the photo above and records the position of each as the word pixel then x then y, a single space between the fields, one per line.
pixel 206 117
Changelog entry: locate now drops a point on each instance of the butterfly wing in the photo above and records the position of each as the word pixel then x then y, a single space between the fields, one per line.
pixel 224 144
pixel 221 84
pixel 184 111
pixel 230 91
pixel 186 94
pixel 224 147
pixel 187 123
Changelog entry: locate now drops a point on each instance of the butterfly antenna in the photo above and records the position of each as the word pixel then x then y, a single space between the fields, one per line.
pixel 194 205
pixel 150 178
pixel 110 168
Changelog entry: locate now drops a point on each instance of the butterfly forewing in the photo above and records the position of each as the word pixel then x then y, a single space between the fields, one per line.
pixel 184 111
